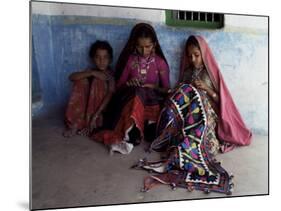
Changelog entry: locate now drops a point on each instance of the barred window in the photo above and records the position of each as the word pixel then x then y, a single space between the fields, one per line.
pixel 194 19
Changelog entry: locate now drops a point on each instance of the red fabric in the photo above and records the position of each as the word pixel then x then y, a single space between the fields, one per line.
pixel 231 127
pixel 133 112
pixel 152 113
pixel 84 102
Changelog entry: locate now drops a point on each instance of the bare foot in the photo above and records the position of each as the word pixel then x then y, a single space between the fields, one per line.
pixel 69 132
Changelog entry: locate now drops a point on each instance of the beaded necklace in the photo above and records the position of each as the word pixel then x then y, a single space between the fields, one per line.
pixel 142 72
pixel 196 73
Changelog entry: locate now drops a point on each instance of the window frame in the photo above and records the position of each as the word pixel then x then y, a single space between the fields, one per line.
pixel 170 21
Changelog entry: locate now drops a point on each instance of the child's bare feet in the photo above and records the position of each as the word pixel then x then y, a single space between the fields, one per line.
pixel 69 132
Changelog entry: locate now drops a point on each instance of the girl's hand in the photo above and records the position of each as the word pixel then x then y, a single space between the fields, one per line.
pixel 109 77
pixel 101 75
pixel 134 82
pixel 96 121
pixel 151 86
pixel 93 124
pixel 200 85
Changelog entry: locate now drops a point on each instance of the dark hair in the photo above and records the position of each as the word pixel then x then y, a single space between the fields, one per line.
pixel 141 30
pixel 100 45
pixel 192 41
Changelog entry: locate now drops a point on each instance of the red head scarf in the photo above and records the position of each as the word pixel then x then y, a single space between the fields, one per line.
pixel 231 127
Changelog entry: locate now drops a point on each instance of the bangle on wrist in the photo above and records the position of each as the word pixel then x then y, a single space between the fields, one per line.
pixel 214 95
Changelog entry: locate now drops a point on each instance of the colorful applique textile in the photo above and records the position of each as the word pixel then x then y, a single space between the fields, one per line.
pixel 182 131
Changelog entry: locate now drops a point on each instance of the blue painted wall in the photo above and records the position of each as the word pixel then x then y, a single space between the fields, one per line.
pixel 61 45
pixel 36 91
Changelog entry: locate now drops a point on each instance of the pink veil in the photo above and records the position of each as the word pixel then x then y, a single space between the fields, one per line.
pixel 231 127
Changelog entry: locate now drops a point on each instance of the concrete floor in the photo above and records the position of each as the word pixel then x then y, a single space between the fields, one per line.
pixel 80 172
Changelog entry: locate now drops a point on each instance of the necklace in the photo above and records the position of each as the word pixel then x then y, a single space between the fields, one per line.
pixel 142 71
pixel 196 73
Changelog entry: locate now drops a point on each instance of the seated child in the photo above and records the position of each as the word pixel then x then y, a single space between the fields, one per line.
pixel 92 90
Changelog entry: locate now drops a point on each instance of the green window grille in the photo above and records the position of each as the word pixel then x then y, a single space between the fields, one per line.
pixel 194 19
